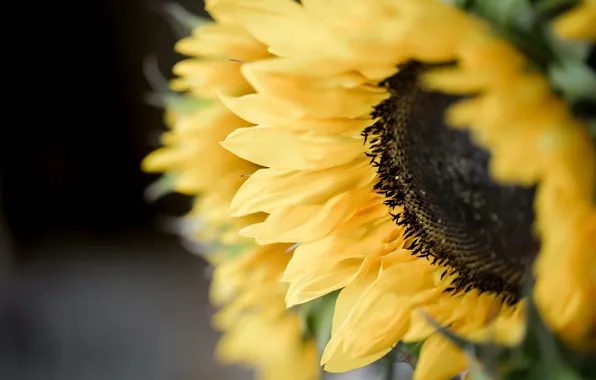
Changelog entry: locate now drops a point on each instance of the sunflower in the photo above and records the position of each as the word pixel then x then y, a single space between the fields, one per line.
pixel 258 330
pixel 424 166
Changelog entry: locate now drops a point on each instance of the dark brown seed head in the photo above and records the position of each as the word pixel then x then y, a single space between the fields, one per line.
pixel 460 217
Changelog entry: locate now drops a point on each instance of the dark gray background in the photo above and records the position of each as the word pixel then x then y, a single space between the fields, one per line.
pixel 90 285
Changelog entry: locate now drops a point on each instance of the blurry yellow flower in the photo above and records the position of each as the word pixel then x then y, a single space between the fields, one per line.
pixel 256 341
pixel 258 331
pixel 408 216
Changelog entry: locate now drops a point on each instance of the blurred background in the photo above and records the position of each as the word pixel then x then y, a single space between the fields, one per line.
pixel 91 287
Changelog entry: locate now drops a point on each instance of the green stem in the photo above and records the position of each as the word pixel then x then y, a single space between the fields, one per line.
pixel 389 365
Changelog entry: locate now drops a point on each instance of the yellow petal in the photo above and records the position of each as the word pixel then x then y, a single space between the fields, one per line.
pixel 578 23
pixel 286 188
pixel 162 160
pixel 303 223
pixel 382 317
pixel 269 110
pixel 206 78
pixel 336 358
pixel 364 235
pixel 262 109
pixel 439 360
pixel 323 103
pixel 345 363
pixel 280 149
pixel 225 41
pixel 318 283
pixel 264 19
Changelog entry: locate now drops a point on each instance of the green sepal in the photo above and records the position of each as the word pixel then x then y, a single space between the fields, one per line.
pixel 184 103
pixel 164 185
pixel 591 125
pixel 575 81
pixel 411 351
pixel 230 251
pixel 317 317
pixel 162 97
pixel 182 21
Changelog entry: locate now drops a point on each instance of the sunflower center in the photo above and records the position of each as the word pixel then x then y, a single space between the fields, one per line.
pixel 438 179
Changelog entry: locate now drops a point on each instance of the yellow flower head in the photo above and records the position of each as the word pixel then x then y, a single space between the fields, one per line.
pixel 411 218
